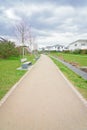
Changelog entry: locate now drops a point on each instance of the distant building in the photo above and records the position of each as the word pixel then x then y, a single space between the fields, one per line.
pixel 79 44
pixel 56 47
pixel 59 47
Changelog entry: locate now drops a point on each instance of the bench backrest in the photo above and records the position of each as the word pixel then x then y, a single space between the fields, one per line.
pixel 24 59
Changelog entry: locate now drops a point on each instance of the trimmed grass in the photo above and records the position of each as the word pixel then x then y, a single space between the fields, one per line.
pixel 80 59
pixel 8 73
pixel 76 80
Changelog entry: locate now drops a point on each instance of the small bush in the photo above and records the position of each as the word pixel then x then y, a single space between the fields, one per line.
pixel 67 51
pixel 78 51
pixel 83 51
pixel 7 49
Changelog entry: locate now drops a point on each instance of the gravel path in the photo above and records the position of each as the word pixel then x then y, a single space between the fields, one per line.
pixel 43 100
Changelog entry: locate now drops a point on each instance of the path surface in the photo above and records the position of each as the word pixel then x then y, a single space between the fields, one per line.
pixel 43 101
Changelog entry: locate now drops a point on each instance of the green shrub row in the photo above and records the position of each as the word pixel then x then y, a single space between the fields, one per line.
pixel 8 49
pixel 78 51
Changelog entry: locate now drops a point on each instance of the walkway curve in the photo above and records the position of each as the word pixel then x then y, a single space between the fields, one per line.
pixel 43 101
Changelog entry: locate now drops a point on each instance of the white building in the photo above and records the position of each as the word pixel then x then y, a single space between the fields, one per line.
pixel 54 48
pixel 79 44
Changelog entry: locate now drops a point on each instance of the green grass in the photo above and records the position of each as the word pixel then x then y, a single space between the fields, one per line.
pixel 81 60
pixel 76 80
pixel 9 74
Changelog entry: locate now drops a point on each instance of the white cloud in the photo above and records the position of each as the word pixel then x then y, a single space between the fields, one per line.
pixel 10 14
pixel 30 9
pixel 51 22
pixel 64 11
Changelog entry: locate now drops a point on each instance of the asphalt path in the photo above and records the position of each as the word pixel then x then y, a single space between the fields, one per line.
pixel 43 100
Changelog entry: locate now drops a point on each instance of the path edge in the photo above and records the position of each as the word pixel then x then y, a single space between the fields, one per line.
pixel 79 95
pixel 3 100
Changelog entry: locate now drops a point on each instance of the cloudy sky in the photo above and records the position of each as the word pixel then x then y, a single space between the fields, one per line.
pixel 51 21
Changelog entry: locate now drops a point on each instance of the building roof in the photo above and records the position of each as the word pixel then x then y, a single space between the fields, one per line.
pixel 79 41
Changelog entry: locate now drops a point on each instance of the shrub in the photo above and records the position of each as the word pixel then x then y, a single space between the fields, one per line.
pixel 78 51
pixel 7 49
pixel 83 51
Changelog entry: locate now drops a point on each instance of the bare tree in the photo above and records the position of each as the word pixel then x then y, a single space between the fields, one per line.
pixel 23 34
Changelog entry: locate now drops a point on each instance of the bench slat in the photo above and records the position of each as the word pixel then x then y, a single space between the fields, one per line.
pixel 24 59
pixel 25 65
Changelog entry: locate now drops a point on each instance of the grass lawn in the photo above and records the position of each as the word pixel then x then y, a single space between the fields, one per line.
pixel 81 60
pixel 76 80
pixel 8 73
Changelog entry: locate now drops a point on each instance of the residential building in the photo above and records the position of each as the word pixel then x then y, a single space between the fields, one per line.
pixel 78 45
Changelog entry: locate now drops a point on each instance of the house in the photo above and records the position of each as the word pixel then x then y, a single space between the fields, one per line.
pixel 56 47
pixel 49 48
pixel 78 45
pixel 59 47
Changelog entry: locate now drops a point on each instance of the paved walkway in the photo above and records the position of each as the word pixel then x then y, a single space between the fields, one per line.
pixel 43 100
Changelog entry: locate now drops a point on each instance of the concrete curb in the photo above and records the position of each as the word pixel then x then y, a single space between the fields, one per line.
pixel 3 100
pixel 73 88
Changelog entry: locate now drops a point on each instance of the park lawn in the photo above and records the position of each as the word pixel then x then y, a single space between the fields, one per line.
pixel 81 60
pixel 76 80
pixel 9 74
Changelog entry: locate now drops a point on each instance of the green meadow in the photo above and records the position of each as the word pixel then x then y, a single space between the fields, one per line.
pixel 81 60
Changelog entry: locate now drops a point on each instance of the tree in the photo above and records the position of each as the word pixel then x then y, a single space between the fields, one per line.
pixel 23 34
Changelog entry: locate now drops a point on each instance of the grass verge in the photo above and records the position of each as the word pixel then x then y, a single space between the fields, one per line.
pixel 9 74
pixel 80 59
pixel 76 80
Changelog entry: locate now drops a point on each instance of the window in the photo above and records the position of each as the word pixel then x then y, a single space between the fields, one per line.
pixel 83 44
pixel 75 44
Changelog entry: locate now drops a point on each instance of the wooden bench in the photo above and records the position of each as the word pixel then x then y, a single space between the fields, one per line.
pixel 23 60
pixel 25 63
